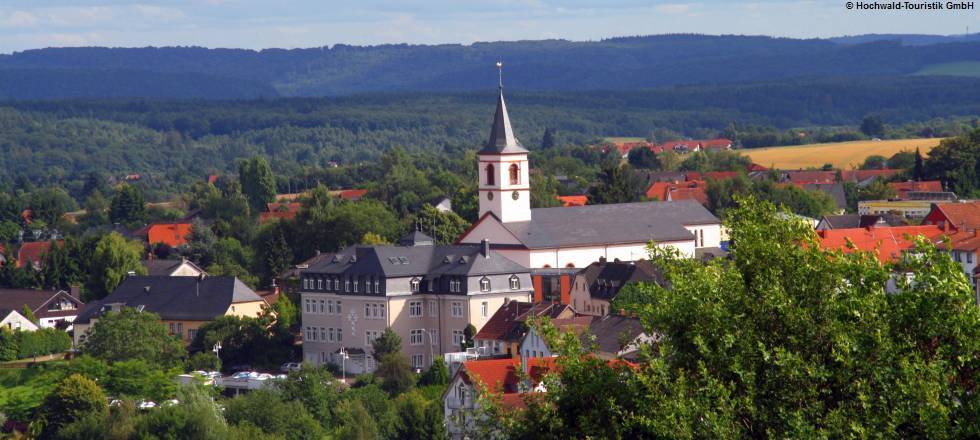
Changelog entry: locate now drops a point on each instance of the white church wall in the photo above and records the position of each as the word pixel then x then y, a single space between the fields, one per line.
pixel 711 234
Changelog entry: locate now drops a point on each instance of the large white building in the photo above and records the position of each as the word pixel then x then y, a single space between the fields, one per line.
pixel 572 236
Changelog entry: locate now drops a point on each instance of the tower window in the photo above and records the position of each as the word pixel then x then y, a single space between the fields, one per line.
pixel 515 174
pixel 490 180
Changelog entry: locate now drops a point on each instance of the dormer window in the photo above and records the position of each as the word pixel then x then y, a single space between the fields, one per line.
pixel 515 174
pixel 484 284
pixel 490 179
pixel 416 285
pixel 347 285
pixel 355 285
pixel 515 282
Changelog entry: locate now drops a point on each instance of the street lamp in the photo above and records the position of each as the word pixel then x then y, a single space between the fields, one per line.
pixel 343 365
pixel 217 349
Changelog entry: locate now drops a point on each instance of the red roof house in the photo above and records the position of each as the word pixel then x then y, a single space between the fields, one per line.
pixel 567 201
pixel 172 234
pixel 352 194
pixel 810 177
pixel 865 176
pixel 902 189
pixel 955 215
pixel 887 242
pixel 670 191
pixel 280 211
pixel 33 253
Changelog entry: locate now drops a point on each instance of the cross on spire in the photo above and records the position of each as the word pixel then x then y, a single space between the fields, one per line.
pixel 500 74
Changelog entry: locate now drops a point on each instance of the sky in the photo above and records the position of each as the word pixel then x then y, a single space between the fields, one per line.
pixel 257 24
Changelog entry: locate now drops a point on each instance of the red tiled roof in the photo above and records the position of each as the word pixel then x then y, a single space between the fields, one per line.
pixel 721 175
pixel 805 177
pixel 964 240
pixel 502 324
pixel 688 194
pixel 903 188
pixel 861 175
pixel 212 178
pixel 887 242
pixel 265 217
pixel 32 252
pixel 352 194
pixel 692 175
pixel 690 190
pixel 567 201
pixel 961 215
pixel 500 375
pixel 171 234
pixel 757 167
pixel 720 143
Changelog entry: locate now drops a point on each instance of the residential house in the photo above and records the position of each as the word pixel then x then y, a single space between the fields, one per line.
pixel 804 177
pixel 172 268
pixel 902 189
pixel 964 249
pixel 597 285
pixel 910 209
pixel 889 243
pixel 957 215
pixel 350 194
pixel 32 253
pixel 675 191
pixel 617 336
pixel 426 293
pixel 847 221
pixel 280 211
pixel 52 308
pixel 184 304
pixel 503 333
pixel 503 377
pixel 567 201
pixel 534 344
pixel 864 178
pixel 172 234
pixel 11 319
pixel 442 204
pixel 573 236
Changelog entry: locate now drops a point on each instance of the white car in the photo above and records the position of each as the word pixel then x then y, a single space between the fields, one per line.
pixel 291 366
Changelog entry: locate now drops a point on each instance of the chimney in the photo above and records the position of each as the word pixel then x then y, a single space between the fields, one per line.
pixel 602 259
pixel 486 248
pixel 75 290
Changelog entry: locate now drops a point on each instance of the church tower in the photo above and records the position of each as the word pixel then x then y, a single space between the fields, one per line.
pixel 505 186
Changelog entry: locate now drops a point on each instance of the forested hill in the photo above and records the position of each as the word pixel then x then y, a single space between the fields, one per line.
pixel 614 64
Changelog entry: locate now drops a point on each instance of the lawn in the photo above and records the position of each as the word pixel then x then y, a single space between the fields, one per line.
pixel 23 389
pixel 843 155
pixel 964 68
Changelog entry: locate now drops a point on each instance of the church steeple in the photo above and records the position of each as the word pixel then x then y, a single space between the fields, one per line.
pixel 502 139
pixel 504 170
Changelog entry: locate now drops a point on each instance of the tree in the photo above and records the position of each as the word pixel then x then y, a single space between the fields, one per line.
pixel 128 206
pixel 197 416
pixel 469 332
pixel 776 342
pixel 114 257
pixel 287 314
pixel 417 419
pixel 257 182
pixel 70 400
pixel 9 230
pixel 544 191
pixel 874 162
pixel 955 162
pixel 395 373
pixel 135 378
pixel 96 210
pixel 443 227
pixel 273 414
pixel 437 374
pixel 244 340
pixel 50 205
pixel 389 342
pixel 29 314
pixel 548 140
pixel 317 390
pixel 617 184
pixel 59 269
pixel 643 158
pixel 873 126
pixel 355 422
pixel 917 170
pixel 129 334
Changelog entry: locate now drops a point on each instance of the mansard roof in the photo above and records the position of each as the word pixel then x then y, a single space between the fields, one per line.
pixel 406 261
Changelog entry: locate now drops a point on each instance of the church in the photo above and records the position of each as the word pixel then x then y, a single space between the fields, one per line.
pixel 573 237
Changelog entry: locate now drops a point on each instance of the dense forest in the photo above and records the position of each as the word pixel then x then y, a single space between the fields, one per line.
pixel 172 143
pixel 612 64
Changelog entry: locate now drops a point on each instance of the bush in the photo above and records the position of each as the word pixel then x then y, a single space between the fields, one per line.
pixel 21 344
pixel 203 361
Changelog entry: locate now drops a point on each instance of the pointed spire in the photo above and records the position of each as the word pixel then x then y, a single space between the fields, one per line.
pixel 502 139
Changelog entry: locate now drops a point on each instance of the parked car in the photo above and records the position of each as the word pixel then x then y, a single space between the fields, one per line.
pixel 242 367
pixel 291 366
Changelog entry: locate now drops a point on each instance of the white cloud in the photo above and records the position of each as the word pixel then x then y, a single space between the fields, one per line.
pixel 18 19
pixel 674 8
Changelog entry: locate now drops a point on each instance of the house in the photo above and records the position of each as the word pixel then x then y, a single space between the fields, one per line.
pixel 172 268
pixel 172 234
pixel 503 377
pixel 573 236
pixel 442 204
pixel 964 249
pixel 803 177
pixel 902 189
pixel 503 333
pixel 661 176
pixel 51 308
pixel 910 209
pixel 567 201
pixel 184 304
pixel 33 253
pixel 959 215
pixel 350 194
pixel 864 178
pixel 846 221
pixel 888 242
pixel 597 285
pixel 616 336
pixel 427 293
pixel 671 191
pixel 289 280
pixel 11 319
pixel 534 345
pixel 280 211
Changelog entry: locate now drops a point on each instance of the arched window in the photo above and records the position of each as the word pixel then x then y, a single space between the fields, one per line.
pixel 485 284
pixel 515 283
pixel 515 174
pixel 490 174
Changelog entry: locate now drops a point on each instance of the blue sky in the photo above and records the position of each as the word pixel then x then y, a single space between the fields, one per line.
pixel 256 24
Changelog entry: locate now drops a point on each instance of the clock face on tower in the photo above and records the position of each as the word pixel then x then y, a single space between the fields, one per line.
pixel 489 196
pixel 515 195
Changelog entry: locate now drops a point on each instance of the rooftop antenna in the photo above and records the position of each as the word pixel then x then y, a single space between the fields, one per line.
pixel 500 74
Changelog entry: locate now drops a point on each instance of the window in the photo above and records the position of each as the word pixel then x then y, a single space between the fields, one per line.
pixel 323 308
pixel 433 308
pixel 457 309
pixel 415 337
pixel 434 336
pixel 418 361
pixel 415 309
pixel 515 282
pixel 969 257
pixel 377 286
pixel 485 284
pixel 490 179
pixel 515 174
pixel 306 283
pixel 326 334
pixel 319 283
pixel 355 285
pixel 306 305
pixel 173 328
pixel 367 311
pixel 338 308
pixel 367 286
pixel 484 309
pixel 370 336
pixel 381 310
pixel 458 337
pixel 330 309
pixel 416 283
pixel 180 328
pixel 340 335
pixel 336 284
pixel 191 333
pixel 309 334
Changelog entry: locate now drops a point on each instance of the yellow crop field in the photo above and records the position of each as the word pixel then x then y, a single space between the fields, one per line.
pixel 843 155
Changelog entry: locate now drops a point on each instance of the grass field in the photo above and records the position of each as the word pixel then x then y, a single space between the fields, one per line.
pixel 23 389
pixel 843 155
pixel 965 68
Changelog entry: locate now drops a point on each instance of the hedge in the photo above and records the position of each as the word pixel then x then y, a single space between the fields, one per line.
pixel 21 344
